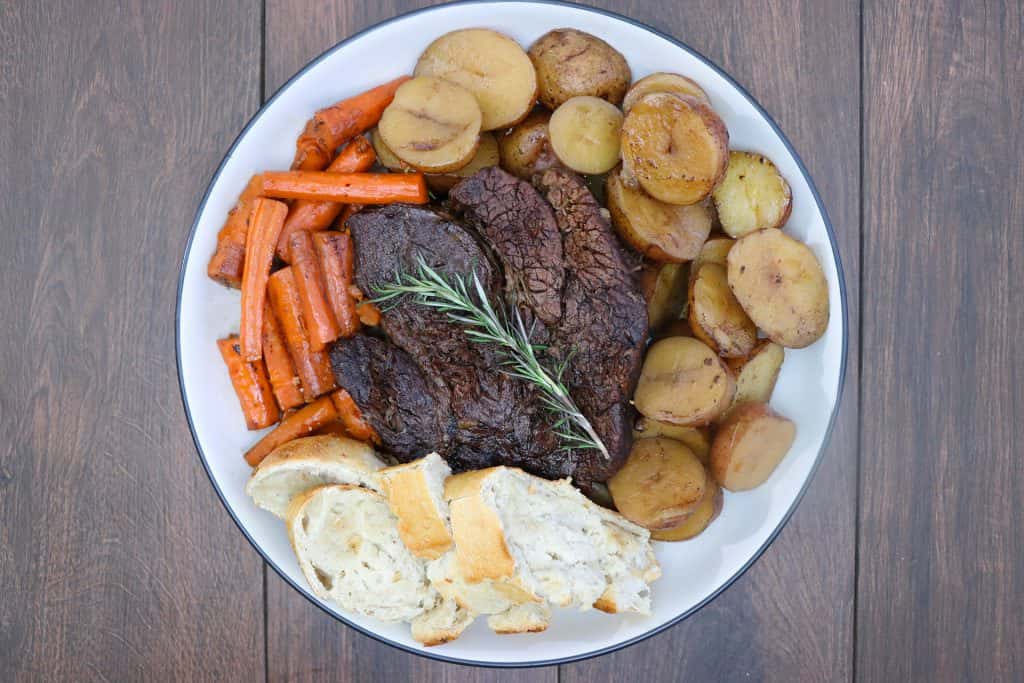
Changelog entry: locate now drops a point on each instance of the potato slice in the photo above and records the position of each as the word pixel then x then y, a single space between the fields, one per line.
pixel 664 287
pixel 707 511
pixel 585 133
pixel 781 286
pixel 572 63
pixel 659 231
pixel 432 125
pixel 490 65
pixel 385 156
pixel 661 483
pixel 676 328
pixel 696 439
pixel 526 149
pixel 715 250
pixel 683 382
pixel 757 373
pixel 716 317
pixel 753 195
pixel 486 155
pixel 664 82
pixel 675 146
pixel 749 446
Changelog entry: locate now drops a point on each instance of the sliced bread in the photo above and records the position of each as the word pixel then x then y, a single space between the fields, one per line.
pixel 415 492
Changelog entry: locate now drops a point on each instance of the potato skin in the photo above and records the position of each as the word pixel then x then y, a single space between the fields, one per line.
pixel 683 382
pixel 663 82
pixel 749 445
pixel 526 148
pixel 661 483
pixel 571 63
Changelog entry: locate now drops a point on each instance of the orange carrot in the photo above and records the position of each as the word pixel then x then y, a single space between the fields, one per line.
pixel 251 385
pixel 302 422
pixel 334 250
pixel 312 367
pixel 336 428
pixel 332 127
pixel 316 312
pixel 352 417
pixel 347 213
pixel 357 156
pixel 279 363
pixel 347 188
pixel 228 258
pixel 265 223
pixel 368 313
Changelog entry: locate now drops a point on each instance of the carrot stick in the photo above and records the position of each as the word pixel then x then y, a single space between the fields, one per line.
pixel 316 312
pixel 334 250
pixel 265 223
pixel 312 367
pixel 251 385
pixel 279 364
pixel 352 417
pixel 336 428
pixel 346 213
pixel 332 127
pixel 347 188
pixel 228 258
pixel 357 156
pixel 300 423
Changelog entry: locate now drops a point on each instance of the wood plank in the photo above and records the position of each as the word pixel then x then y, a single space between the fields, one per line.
pixel 117 562
pixel 790 617
pixel 941 574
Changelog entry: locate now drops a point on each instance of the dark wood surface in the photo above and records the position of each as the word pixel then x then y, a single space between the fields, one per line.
pixel 905 559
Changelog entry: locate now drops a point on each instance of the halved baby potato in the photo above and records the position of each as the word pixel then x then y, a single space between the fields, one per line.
pixel 716 317
pixel 675 146
pixel 660 484
pixel 488 64
pixel 526 149
pixel 715 250
pixel 662 81
pixel 695 438
pixel 707 511
pixel 486 155
pixel 385 156
pixel 659 231
pixel 684 382
pixel 585 133
pixel 781 286
pixel 571 63
pixel 753 195
pixel 432 124
pixel 757 373
pixel 664 287
pixel 749 445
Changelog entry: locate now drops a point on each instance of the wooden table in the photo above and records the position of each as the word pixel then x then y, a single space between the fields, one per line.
pixel 905 560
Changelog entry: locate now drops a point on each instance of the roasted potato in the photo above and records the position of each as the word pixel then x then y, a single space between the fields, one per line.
pixel 715 250
pixel 660 484
pixel 585 133
pixel 486 155
pixel 753 195
pixel 683 382
pixel 432 124
pixel 695 438
pixel 757 373
pixel 659 231
pixel 781 286
pixel 526 148
pixel 715 316
pixel 571 63
pixel 664 287
pixel 749 445
pixel 488 64
pixel 676 328
pixel 663 82
pixel 707 511
pixel 675 146
pixel 385 156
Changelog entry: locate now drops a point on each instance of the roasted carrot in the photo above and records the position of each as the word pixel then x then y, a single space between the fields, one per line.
pixel 280 367
pixel 352 417
pixel 336 428
pixel 228 258
pixel 309 280
pixel 347 188
pixel 368 313
pixel 346 213
pixel 303 421
pixel 312 367
pixel 251 385
pixel 335 125
pixel 334 250
pixel 357 156
pixel 265 223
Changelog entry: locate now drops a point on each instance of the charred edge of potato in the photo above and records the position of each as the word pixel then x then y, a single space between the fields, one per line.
pixel 571 63
pixel 696 522
pixel 749 445
pixel 664 82
pixel 664 287
pixel 683 382
pixel 585 134
pixel 660 483
pixel 526 148
pixel 716 317
pixel 753 195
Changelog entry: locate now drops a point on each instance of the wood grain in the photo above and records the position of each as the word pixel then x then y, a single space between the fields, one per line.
pixel 941 579
pixel 117 562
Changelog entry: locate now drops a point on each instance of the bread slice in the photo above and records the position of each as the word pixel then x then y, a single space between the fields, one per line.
pixel 631 566
pixel 347 544
pixel 309 462
pixel 443 624
pixel 532 617
pixel 415 492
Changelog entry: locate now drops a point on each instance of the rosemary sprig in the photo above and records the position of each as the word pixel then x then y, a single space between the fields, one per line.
pixel 467 304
